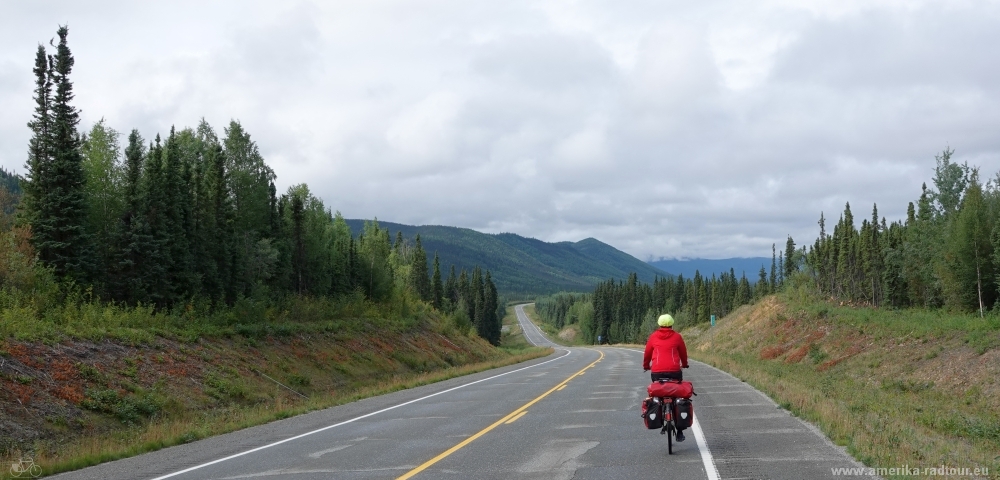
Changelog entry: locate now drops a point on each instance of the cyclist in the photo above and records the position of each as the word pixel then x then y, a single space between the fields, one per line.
pixel 665 354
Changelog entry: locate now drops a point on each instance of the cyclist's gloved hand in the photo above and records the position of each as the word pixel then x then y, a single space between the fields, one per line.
pixel 685 366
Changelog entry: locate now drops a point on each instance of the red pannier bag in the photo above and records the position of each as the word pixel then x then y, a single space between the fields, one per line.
pixel 670 388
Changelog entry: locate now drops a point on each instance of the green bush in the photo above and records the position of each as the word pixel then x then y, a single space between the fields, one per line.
pixel 129 409
pixel 226 389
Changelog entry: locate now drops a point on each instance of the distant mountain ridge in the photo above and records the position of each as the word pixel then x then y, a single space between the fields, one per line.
pixel 687 267
pixel 520 264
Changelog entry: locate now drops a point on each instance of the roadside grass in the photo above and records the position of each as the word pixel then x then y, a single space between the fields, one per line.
pixel 191 426
pixel 81 319
pixel 511 337
pixel 895 387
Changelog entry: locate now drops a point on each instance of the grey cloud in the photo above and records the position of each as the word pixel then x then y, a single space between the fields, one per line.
pixel 547 62
pixel 620 122
pixel 937 45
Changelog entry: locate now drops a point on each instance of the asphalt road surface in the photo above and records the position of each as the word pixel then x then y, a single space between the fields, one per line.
pixel 574 414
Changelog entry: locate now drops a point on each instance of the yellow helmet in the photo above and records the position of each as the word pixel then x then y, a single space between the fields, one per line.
pixel 665 320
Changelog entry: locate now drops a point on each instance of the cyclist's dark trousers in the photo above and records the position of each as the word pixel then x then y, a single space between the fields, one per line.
pixel 667 375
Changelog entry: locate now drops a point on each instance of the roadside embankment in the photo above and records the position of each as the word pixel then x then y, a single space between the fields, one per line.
pixel 72 402
pixel 912 387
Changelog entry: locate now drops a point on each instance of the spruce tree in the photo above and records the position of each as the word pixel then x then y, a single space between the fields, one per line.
pixel 298 244
pixel 742 292
pixel 58 222
pixel 176 205
pixel 134 242
pixel 418 272
pixel 464 294
pixel 773 278
pixel 761 288
pixel 438 288
pixel 451 290
pixel 157 256
pixel 39 146
pixel 221 223
pixel 790 264
pixel 477 310
pixel 490 317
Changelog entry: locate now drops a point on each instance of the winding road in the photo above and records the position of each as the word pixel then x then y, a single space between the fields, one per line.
pixel 574 414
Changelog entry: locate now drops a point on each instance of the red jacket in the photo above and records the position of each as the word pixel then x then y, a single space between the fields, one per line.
pixel 665 352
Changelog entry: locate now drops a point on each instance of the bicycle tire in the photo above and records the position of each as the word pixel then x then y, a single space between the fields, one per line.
pixel 35 471
pixel 670 439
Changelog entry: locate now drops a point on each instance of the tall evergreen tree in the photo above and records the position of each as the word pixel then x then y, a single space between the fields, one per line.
pixel 134 242
pixel 436 285
pixel 451 289
pixel 418 272
pixel 761 288
pixel 39 146
pixel 477 304
pixel 158 262
pixel 790 264
pixel 298 243
pixel 490 310
pixel 772 280
pixel 58 222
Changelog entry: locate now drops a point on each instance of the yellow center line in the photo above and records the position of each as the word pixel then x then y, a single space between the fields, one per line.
pixel 508 422
pixel 509 417
pixel 562 387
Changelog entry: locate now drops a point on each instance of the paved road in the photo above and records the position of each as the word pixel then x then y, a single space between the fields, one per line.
pixel 573 414
pixel 531 331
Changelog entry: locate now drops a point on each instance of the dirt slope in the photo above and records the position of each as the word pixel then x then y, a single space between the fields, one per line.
pixel 51 394
pixel 896 387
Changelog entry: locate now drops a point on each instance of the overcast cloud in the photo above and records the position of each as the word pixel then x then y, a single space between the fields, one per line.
pixel 664 128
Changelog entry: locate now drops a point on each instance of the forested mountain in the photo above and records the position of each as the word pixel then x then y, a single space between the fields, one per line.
pixel 688 267
pixel 526 265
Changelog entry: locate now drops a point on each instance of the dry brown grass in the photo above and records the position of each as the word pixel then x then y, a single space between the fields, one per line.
pixel 191 425
pixel 892 394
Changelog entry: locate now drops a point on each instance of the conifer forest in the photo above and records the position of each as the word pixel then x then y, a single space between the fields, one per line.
pixel 191 219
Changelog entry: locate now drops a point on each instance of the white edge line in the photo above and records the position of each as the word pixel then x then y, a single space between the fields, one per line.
pixel 706 455
pixel 519 311
pixel 213 462
pixel 699 437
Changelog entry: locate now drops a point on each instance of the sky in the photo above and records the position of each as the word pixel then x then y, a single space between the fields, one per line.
pixel 667 129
